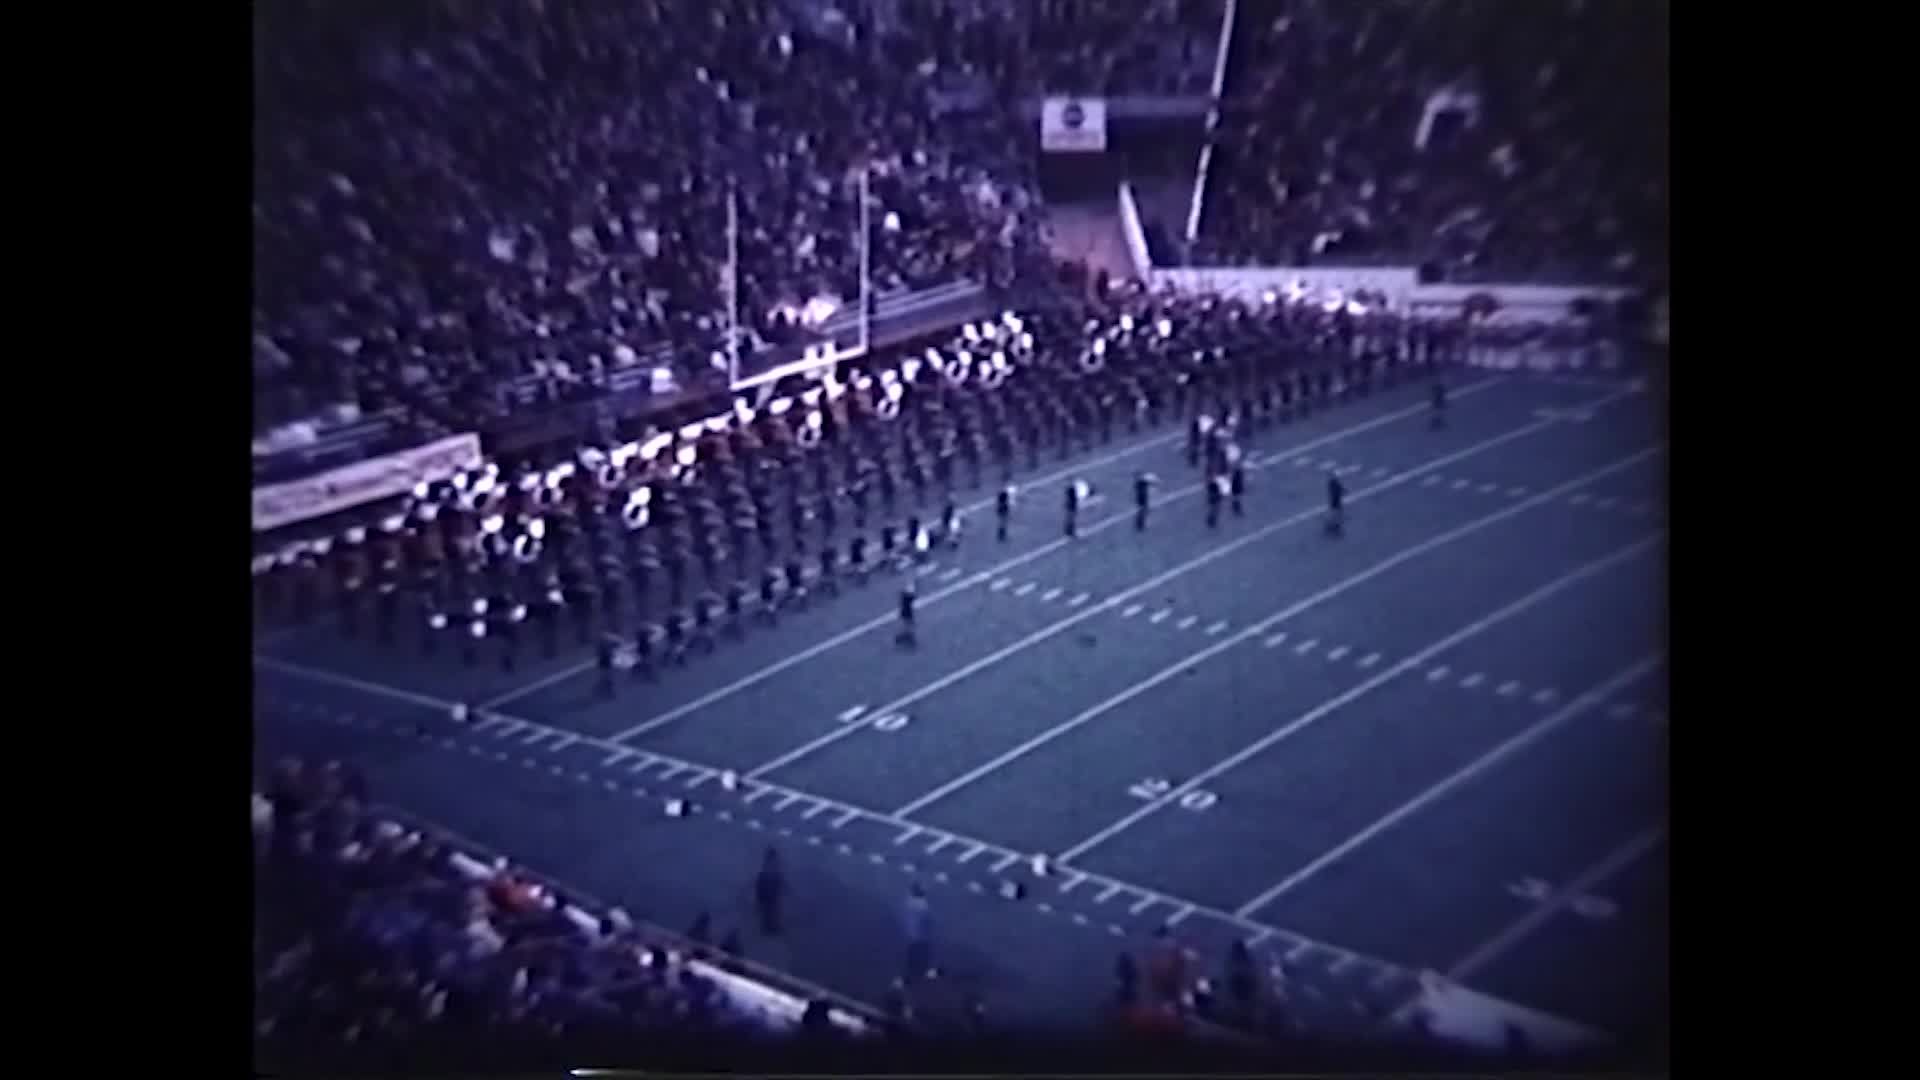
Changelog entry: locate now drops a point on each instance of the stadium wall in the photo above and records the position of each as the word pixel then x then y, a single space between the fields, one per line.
pixel 279 505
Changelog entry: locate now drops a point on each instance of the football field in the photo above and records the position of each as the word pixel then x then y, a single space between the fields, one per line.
pixel 1423 760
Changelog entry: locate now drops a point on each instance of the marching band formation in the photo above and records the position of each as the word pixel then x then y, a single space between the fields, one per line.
pixel 661 548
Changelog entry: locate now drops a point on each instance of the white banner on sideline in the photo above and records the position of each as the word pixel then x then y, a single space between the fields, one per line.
pixel 368 481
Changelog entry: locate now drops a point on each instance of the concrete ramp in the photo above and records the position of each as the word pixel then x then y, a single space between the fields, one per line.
pixel 1091 234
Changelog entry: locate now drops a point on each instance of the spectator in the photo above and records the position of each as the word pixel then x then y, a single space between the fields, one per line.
pixel 262 819
pixel 1166 967
pixel 917 918
pixel 401 960
pixel 976 1015
pixel 1243 982
pixel 1485 144
pixel 1126 978
pixel 768 888
pixel 898 1003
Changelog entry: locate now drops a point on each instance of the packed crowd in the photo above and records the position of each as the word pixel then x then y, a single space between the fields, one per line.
pixel 1485 142
pixel 375 938
pixel 455 198
pixel 1029 48
pixel 449 195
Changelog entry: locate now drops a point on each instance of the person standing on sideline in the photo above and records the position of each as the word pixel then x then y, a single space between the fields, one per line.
pixel 906 635
pixel 769 885
pixel 1439 405
pixel 1336 502
pixel 918 923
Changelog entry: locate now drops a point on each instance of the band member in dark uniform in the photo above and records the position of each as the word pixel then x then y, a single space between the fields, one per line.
pixel 736 604
pixel 906 635
pixel 676 628
pixel 769 595
pixel 604 653
pixel 796 578
pixel 857 558
pixel 643 642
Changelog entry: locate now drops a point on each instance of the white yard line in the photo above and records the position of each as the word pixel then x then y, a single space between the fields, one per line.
pixel 1494 947
pixel 1330 705
pixel 1481 764
pixel 1268 623
pixel 1160 579
pixel 988 574
pixel 849 813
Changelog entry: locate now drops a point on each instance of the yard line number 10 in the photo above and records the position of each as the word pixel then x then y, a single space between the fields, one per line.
pixel 1195 800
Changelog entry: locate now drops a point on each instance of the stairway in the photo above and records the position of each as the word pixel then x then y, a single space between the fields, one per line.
pixel 1090 234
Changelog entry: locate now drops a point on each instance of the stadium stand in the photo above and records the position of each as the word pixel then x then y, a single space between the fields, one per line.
pixel 375 936
pixel 494 245
pixel 453 196
pixel 1494 142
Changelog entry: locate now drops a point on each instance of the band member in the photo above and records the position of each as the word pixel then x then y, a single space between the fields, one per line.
pixel 857 558
pixel 604 654
pixel 906 634
pixel 1077 491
